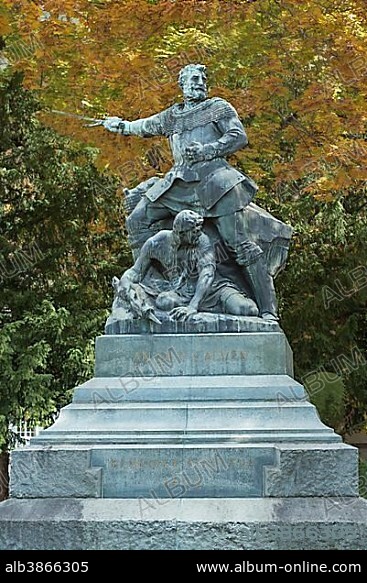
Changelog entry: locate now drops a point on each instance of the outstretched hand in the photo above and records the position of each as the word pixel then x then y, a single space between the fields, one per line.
pixel 113 124
pixel 182 313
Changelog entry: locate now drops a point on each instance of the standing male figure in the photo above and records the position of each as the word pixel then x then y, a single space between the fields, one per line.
pixel 202 132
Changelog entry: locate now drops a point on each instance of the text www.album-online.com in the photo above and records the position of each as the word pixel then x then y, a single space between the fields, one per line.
pixel 302 567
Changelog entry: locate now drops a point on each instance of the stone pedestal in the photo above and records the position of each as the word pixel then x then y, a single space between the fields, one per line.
pixel 189 441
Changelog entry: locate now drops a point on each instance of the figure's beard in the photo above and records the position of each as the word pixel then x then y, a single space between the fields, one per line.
pixel 195 94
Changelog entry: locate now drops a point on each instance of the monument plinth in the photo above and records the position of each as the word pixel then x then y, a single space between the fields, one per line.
pixel 211 444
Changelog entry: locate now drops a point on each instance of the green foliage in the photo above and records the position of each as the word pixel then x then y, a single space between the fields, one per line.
pixel 61 242
pixel 24 359
pixel 323 293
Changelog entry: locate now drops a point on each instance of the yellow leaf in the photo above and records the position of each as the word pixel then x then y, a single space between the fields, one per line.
pixel 5 27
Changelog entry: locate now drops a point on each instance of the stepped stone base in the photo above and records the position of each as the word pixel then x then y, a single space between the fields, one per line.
pixel 187 441
pixel 185 524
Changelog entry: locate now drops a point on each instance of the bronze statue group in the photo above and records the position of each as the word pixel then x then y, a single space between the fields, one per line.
pixel 176 221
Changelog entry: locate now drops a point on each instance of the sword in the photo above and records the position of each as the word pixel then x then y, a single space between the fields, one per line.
pixel 96 122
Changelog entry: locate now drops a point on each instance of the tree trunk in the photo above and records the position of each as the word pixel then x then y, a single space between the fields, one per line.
pixel 4 475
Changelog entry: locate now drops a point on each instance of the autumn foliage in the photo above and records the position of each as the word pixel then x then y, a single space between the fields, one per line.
pixel 296 72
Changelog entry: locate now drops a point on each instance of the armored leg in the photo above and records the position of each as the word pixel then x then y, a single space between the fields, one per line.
pixel 263 288
pixel 139 223
pixel 250 257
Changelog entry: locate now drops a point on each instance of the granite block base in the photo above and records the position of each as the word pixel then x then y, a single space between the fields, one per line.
pixel 184 524
pixel 187 441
